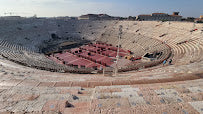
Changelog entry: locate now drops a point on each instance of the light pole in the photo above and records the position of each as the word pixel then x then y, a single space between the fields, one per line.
pixel 193 50
pixel 193 28
pixel 198 44
pixel 169 23
pixel 117 56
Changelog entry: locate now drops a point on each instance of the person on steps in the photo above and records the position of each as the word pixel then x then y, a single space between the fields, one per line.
pixel 170 62
pixel 164 62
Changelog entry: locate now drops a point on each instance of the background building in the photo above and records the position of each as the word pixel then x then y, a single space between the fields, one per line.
pixel 95 17
pixel 88 17
pixel 160 17
pixel 199 20
pixel 11 17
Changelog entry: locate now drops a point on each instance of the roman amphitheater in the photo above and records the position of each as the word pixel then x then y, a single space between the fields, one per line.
pixel 56 66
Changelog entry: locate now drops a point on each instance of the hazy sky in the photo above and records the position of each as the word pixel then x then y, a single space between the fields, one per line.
pixel 50 8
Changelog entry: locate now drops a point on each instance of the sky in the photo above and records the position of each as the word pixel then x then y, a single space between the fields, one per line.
pixel 125 8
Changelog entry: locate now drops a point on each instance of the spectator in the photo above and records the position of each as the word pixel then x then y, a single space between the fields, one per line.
pixel 164 62
pixel 170 61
